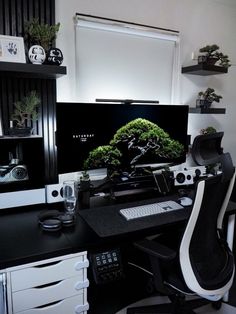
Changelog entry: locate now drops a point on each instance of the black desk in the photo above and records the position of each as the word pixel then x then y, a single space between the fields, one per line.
pixel 23 241
pixel 107 221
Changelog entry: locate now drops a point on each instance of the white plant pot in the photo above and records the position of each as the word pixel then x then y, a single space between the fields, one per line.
pixel 37 54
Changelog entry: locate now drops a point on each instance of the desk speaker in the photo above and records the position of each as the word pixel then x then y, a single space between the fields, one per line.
pixel 183 177
pixel 53 193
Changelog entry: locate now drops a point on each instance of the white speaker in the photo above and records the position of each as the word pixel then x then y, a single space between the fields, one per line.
pixel 183 177
pixel 199 171
pixel 53 193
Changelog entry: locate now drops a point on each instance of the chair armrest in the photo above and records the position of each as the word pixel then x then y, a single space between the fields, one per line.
pixel 155 249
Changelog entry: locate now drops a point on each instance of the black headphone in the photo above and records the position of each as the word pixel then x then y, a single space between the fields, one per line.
pixel 54 220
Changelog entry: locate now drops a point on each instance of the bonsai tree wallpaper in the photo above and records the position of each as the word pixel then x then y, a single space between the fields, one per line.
pixel 134 143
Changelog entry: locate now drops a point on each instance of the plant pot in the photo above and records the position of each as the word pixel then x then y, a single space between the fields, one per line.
pixel 20 131
pixel 202 103
pixel 207 60
pixel 84 194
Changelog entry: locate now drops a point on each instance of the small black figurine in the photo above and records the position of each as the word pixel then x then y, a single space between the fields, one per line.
pixel 54 56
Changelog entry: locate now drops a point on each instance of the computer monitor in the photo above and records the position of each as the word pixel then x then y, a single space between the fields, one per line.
pixel 119 136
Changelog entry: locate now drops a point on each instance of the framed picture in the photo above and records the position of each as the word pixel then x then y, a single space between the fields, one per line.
pixel 12 49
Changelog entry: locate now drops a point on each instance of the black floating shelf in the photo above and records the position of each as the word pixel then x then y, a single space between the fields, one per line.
pixel 207 110
pixel 32 70
pixel 204 69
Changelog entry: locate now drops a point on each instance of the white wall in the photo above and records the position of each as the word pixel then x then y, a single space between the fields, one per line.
pixel 200 22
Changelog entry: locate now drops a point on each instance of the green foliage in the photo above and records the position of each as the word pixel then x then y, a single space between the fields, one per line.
pixel 146 131
pixel 102 156
pixel 209 95
pixel 85 176
pixel 41 34
pixel 212 51
pixel 208 130
pixel 26 109
pixel 140 135
pixel 140 128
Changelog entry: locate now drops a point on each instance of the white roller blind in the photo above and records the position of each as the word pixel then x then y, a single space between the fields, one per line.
pixel 118 63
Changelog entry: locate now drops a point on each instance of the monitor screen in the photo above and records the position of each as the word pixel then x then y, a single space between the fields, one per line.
pixel 119 136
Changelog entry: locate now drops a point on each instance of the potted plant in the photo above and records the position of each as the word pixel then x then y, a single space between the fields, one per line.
pixel 24 113
pixel 208 130
pixel 84 190
pixel 206 98
pixel 212 55
pixel 41 34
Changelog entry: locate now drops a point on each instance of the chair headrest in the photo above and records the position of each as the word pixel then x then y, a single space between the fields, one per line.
pixel 206 148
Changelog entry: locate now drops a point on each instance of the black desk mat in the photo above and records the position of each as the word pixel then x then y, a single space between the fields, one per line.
pixel 107 221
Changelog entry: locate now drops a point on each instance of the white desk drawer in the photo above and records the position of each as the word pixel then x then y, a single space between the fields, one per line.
pixel 35 297
pixel 72 305
pixel 49 272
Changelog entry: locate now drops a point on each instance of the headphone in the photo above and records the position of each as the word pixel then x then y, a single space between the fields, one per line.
pixel 54 220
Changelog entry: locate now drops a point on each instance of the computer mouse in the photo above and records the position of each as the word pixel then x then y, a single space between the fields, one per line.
pixel 185 201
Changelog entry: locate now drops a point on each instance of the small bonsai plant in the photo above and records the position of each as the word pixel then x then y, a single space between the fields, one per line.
pixel 85 176
pixel 25 111
pixel 213 55
pixel 41 34
pixel 208 130
pixel 212 168
pixel 206 98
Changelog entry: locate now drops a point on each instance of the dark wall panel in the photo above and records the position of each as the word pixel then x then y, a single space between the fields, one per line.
pixel 13 15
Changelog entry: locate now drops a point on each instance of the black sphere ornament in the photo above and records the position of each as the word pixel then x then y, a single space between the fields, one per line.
pixel 54 56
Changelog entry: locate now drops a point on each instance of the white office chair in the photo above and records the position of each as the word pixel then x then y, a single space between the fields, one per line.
pixel 197 260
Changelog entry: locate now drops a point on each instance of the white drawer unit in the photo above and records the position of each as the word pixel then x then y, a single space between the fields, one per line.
pixel 43 273
pixel 57 285
pixel 34 297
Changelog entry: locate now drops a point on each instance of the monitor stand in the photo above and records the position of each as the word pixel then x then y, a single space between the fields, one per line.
pixel 141 184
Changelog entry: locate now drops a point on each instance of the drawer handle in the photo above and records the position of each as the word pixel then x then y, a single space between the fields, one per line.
pixel 81 308
pixel 48 305
pixel 46 265
pixel 81 265
pixel 48 284
pixel 82 284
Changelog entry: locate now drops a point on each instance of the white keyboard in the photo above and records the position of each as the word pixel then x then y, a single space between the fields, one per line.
pixel 149 209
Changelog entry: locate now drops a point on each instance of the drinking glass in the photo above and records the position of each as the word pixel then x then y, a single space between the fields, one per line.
pixel 70 196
